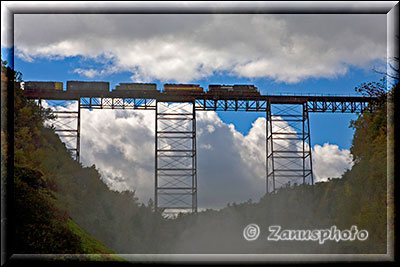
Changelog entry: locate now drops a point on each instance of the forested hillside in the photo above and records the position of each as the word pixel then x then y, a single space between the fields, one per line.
pixel 357 198
pixel 41 225
pixel 63 207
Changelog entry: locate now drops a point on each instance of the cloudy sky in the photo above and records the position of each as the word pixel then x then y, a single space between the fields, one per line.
pixel 294 53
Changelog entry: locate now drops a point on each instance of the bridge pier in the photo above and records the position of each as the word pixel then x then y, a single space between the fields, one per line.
pixel 288 146
pixel 68 126
pixel 175 158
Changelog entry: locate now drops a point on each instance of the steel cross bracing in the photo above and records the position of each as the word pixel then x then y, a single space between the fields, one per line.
pixel 314 104
pixel 117 103
pixel 175 157
pixel 288 146
pixel 67 125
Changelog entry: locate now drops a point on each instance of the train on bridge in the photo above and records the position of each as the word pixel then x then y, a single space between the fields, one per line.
pixel 94 88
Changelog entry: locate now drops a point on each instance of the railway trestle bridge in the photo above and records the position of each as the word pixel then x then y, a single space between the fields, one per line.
pixel 288 144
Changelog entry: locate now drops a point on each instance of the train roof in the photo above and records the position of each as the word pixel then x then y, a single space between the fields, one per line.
pixel 137 83
pixel 231 85
pixel 89 81
pixel 181 84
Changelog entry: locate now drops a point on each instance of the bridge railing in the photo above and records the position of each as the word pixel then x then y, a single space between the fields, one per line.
pixel 310 94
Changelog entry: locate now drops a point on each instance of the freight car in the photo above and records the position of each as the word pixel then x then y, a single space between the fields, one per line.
pixel 88 86
pixel 232 90
pixel 128 89
pixel 42 86
pixel 84 88
pixel 136 87
pixel 183 89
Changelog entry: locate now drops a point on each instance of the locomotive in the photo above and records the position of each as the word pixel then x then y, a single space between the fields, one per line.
pixel 232 90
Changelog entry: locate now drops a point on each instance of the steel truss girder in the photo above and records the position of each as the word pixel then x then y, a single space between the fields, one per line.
pixel 261 105
pixel 175 158
pixel 342 106
pixel 117 103
pixel 204 104
pixel 288 146
pixel 67 126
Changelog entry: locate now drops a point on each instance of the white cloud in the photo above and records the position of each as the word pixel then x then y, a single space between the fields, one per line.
pixel 90 73
pixel 206 146
pixel 121 144
pixel 231 166
pixel 329 161
pixel 210 128
pixel 186 47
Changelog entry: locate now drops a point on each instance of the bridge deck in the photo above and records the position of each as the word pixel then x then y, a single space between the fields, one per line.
pixel 145 100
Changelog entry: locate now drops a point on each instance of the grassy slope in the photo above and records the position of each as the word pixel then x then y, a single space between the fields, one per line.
pixel 42 227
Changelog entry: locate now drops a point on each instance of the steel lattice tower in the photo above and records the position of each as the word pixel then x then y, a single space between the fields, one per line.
pixel 67 125
pixel 288 145
pixel 175 154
